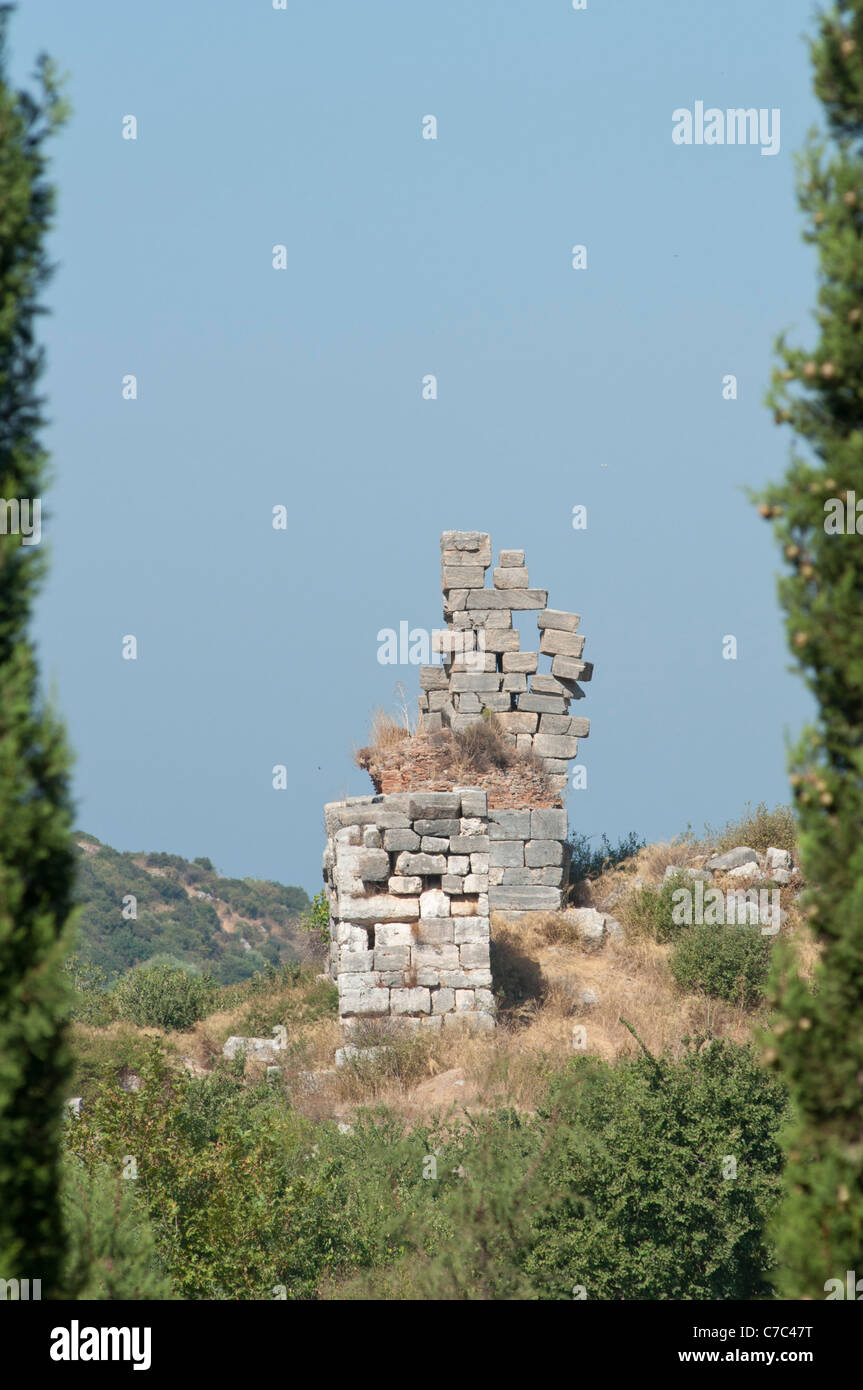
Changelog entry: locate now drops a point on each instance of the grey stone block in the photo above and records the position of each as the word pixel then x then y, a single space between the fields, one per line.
pixel 567 668
pixel 540 853
pixel 434 805
pixel 520 661
pixel 460 722
pixel 432 678
pixel 533 899
pixel 410 864
pixel 510 559
pixel 392 957
pixel 434 844
pixel 410 1001
pixel 551 877
pixel 462 576
pixel 562 622
pixel 451 883
pixel 367 1002
pixel 405 887
pixel 441 826
pixel 555 746
pixel 458 864
pixel 473 801
pixel 378 907
pixel 547 823
pixel 519 721
pixel 514 577
pixel 474 955
pixel 469 844
pixel 442 1001
pixel 475 681
pixel 551 685
pixel 499 701
pixel 509 825
pixel 465 1000
pixel 479 863
pixel 505 854
pixel 514 683
pixel 543 704
pixel 435 931
pixel 439 956
pixel 521 876
pixel 352 961
pixel 476 883
pixel 501 640
pixel 434 903
pixel 522 599
pixel 554 643
pixel 470 929
pixel 732 859
pixel 394 933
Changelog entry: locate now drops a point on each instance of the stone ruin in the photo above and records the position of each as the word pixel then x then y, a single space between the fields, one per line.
pixel 412 875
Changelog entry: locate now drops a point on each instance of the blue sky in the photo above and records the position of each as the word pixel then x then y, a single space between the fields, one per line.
pixel 302 387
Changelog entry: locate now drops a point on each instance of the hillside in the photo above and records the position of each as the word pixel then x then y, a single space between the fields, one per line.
pixel 231 927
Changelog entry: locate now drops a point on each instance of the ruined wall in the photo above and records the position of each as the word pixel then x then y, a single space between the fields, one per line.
pixel 484 667
pixel 411 879
pixel 412 874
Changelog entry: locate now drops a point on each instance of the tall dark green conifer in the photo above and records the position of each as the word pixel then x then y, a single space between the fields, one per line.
pixel 818 1040
pixel 36 851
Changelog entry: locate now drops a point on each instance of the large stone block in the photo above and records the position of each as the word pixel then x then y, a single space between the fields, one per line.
pixel 509 825
pixel 474 955
pixel 555 746
pixel 522 599
pixel 475 681
pixel 405 887
pixel 434 805
pixel 462 576
pixel 510 559
pixel 554 643
pixel 392 957
pixel 410 1001
pixel 514 683
pixel 435 931
pixel 352 937
pixel 543 704
pixel 520 661
pixel 378 907
pixel 449 825
pixel 458 864
pixel 434 903
pixel 411 864
pixel 469 844
pixel 501 640
pixel 394 934
pixel 442 1001
pixel 523 899
pixel 434 844
pixel 367 1002
pixel 547 823
pixel 430 956
pixel 540 853
pixel 559 621
pixel 460 722
pixel 433 678
pixel 518 721
pixel 566 667
pixel 552 685
pixel 471 542
pixel 470 929
pixel 521 876
pixel 352 961
pixel 514 577
pixel 473 801
pixel 505 854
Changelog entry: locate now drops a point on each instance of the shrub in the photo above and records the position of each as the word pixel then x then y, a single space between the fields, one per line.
pixel 585 862
pixel 162 996
pixel 759 829
pixel 650 911
pixel 726 962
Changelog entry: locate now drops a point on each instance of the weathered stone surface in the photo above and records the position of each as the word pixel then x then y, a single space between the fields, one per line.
pixel 473 801
pixel 392 957
pixel 353 937
pixel 551 876
pixel 559 621
pixel 510 559
pixel 555 643
pixel 449 825
pixel 460 722
pixel 474 955
pixel 520 876
pixel 589 924
pixel 525 662
pixel 441 956
pixel 778 859
pixel 442 1001
pixel 474 681
pixel 469 844
pixel 372 837
pixel 749 873
pixel 435 931
pixel 465 1000
pixel 404 887
pixel 434 903
pixel 479 863
pixel 568 668
pixel 533 899
pixel 452 883
pixel 259 1049
pixel 434 805
pixel 462 576
pixel 476 883
pixel 555 746
pixel 509 825
pixel 505 854
pixel 459 864
pixel 369 1002
pixel 433 678
pixel 350 961
pixel 551 685
pixel 732 859
pixel 473 542
pixel 470 929
pixel 410 1001
pixel 394 933
pixel 510 578
pixel 502 640
pixel 539 853
pixel 379 907
pixel 514 684
pixel 410 864
pixel 542 704
pixel 547 823
pixel 434 844
pixel 521 599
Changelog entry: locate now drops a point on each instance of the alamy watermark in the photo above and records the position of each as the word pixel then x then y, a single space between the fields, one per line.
pixel 734 126
pixel 21 517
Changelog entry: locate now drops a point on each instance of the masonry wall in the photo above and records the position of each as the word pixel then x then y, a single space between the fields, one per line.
pixel 411 879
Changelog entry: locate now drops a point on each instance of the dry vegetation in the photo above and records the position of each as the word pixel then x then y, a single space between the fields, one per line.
pixel 483 747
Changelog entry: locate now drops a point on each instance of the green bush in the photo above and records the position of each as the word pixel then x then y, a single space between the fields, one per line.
pixel 760 829
pixel 650 911
pixel 727 962
pixel 585 862
pixel 161 996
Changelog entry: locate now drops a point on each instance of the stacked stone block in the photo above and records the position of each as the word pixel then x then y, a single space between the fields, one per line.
pixel 411 879
pixel 483 666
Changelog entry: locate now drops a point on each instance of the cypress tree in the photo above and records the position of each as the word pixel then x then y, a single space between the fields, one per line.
pixel 36 850
pixel 818 1039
